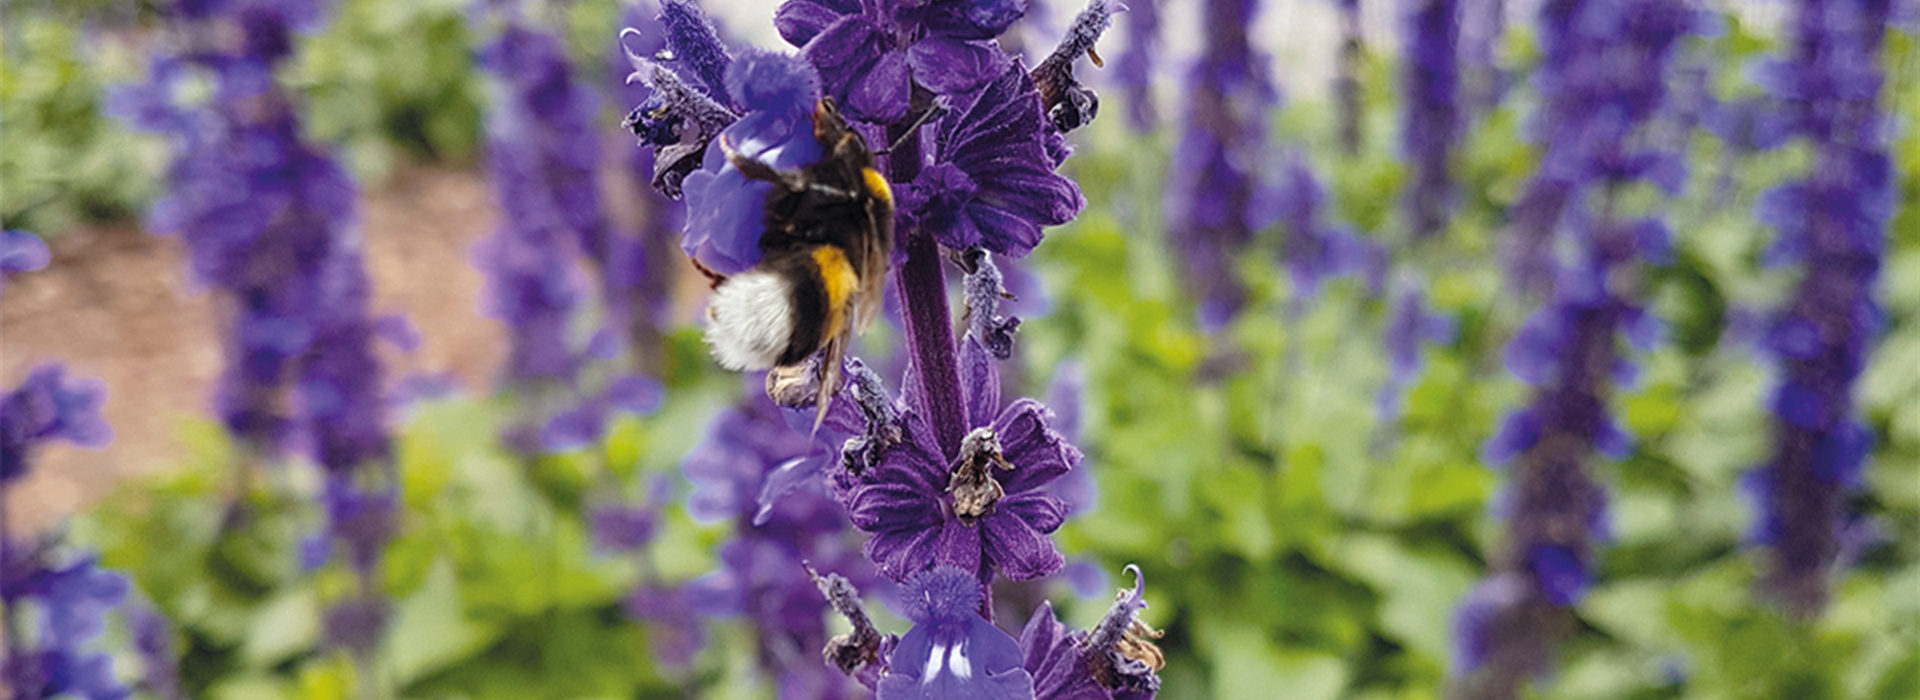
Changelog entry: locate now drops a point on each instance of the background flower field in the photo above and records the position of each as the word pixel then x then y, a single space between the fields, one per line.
pixel 1310 333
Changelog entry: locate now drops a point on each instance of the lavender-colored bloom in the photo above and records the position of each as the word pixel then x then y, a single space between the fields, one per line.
pixel 1604 72
pixel 725 209
pixel 1409 327
pixel 1432 122
pixel 983 512
pixel 762 575
pixel 952 653
pixel 1133 69
pixel 1313 249
pixel 1834 223
pixel 20 252
pixel 529 261
pixel 1211 200
pixel 48 405
pixel 1571 350
pixel 160 664
pixel 992 182
pixel 70 602
pixel 267 220
pixel 872 54
pixel 1483 23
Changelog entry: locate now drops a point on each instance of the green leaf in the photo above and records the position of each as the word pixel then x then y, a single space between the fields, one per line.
pixel 1419 591
pixel 432 629
pixel 287 625
pixel 1245 665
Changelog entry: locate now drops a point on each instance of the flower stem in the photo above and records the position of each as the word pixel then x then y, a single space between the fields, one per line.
pixel 923 296
pixel 936 368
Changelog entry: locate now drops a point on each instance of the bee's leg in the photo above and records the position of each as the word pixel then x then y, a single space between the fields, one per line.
pixel 753 169
pixel 714 278
pixel 938 108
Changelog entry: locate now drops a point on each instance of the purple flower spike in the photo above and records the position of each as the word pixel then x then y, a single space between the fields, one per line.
pixel 1113 661
pixel 1573 350
pixel 985 512
pixel 1834 222
pixel 1133 70
pixel 1432 122
pixel 1212 196
pixel 952 653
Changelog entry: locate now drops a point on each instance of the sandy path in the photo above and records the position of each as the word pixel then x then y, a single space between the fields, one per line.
pixel 116 304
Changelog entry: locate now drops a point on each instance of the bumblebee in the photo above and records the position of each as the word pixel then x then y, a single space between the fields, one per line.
pixel 823 259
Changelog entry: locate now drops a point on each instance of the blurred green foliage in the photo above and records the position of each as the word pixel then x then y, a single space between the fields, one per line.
pixel 385 79
pixel 63 161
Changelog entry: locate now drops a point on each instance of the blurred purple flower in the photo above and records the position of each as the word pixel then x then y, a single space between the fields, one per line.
pixel 1835 224
pixel 1133 69
pixel 1410 327
pixel 20 251
pixel 70 603
pixel 1432 120
pixel 532 285
pixel 762 573
pixel 268 220
pixel 1312 248
pixel 1571 350
pixel 1223 144
pixel 1603 73
pixel 49 405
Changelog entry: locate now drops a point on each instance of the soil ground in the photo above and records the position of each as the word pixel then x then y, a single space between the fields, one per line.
pixel 117 304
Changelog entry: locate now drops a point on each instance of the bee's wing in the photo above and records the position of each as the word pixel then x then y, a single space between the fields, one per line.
pixel 832 356
pixel 874 254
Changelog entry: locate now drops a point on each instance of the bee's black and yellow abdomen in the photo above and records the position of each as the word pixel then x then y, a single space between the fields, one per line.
pixel 820 284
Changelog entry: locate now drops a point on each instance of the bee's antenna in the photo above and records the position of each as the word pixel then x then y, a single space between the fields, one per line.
pixel 939 107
